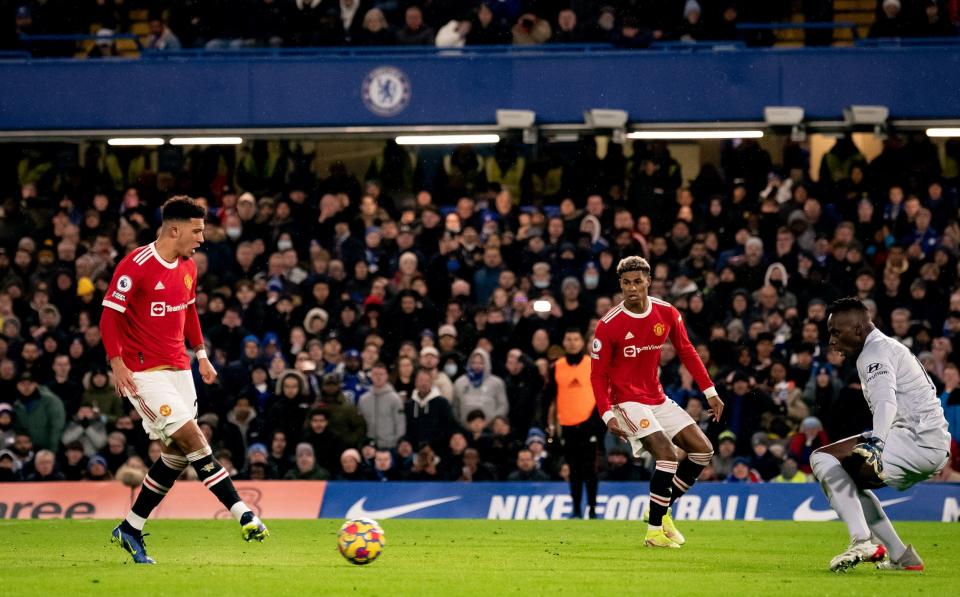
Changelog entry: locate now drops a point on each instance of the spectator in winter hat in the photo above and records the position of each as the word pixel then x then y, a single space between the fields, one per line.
pixel 891 23
pixel 742 473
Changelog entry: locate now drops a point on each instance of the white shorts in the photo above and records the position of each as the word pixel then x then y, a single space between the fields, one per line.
pixel 905 463
pixel 640 420
pixel 166 401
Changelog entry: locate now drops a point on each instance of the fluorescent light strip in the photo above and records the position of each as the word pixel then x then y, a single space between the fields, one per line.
pixel 446 139
pixel 943 132
pixel 668 135
pixel 134 141
pixel 206 141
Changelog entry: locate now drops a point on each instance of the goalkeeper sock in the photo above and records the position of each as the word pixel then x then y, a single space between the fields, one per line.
pixel 688 471
pixel 660 490
pixel 217 480
pixel 880 524
pixel 842 493
pixel 156 484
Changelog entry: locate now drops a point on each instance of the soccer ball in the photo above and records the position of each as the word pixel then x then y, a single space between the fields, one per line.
pixel 360 541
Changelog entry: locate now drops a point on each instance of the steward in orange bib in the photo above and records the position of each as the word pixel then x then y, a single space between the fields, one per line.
pixel 572 406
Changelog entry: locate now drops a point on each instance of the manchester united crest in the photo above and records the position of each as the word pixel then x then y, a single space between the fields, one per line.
pixel 165 410
pixel 188 282
pixel 658 329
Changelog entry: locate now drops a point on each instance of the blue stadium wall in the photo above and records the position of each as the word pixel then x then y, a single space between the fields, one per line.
pixel 620 501
pixel 455 88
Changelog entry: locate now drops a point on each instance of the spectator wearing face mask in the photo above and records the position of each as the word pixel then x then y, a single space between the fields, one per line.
pixel 479 389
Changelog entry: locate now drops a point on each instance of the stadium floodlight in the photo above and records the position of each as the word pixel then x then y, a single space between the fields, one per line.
pixel 206 141
pixel 602 118
pixel 134 141
pixel 520 119
pixel 787 116
pixel 944 132
pixel 474 139
pixel 783 115
pixel 516 119
pixel 866 115
pixel 694 135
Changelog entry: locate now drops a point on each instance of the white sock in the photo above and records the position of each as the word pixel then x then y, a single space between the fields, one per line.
pixel 135 521
pixel 239 509
pixel 652 527
pixel 880 524
pixel 842 493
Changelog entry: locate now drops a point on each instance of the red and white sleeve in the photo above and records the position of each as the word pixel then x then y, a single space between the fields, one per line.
pixel 122 287
pixel 689 357
pixel 601 353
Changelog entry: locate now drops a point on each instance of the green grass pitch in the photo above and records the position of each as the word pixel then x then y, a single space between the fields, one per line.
pixel 472 557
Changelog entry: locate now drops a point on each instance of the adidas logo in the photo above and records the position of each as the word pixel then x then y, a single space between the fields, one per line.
pixel 159 286
pixel 629 336
pixel 575 384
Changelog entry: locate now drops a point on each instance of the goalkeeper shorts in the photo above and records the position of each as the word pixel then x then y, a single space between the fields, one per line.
pixel 906 462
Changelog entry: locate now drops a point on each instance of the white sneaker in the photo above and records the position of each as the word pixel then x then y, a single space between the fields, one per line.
pixel 859 551
pixel 908 561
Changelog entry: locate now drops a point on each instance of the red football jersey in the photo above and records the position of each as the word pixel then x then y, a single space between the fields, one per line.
pixel 153 295
pixel 626 354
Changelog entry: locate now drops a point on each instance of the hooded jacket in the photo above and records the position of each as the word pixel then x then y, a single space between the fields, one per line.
pixel 525 394
pixel 344 420
pixel 288 414
pixel 42 418
pixel 490 395
pixel 429 419
pixel 238 436
pixel 382 409
pixel 105 399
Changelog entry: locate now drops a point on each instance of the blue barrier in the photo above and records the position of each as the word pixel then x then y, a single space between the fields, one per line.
pixel 620 501
pixel 460 88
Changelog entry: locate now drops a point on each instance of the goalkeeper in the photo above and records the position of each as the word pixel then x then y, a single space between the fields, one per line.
pixel 908 444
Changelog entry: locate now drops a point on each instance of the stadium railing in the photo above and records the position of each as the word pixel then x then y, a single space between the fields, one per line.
pixel 907 42
pixel 813 26
pixel 51 37
pixel 494 50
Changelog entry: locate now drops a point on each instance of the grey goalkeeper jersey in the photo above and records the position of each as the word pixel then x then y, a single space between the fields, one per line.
pixel 900 393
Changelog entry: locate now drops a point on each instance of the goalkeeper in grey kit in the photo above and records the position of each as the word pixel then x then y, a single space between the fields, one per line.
pixel 909 441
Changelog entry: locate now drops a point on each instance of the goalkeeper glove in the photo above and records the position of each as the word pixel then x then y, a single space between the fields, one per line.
pixel 871 450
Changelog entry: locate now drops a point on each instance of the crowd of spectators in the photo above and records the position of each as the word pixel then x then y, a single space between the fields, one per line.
pixel 383 327
pixel 225 24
